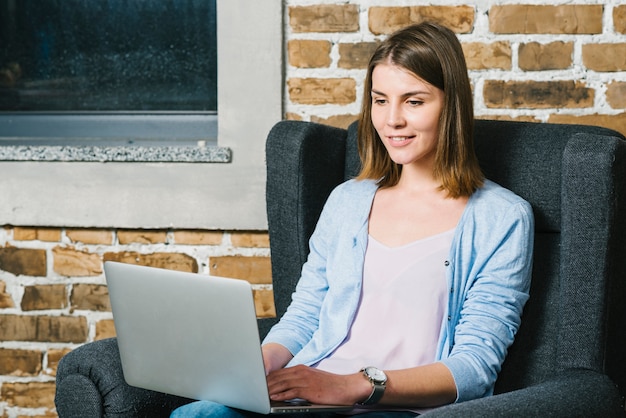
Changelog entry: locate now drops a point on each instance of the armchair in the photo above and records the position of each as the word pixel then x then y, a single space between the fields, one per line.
pixel 569 357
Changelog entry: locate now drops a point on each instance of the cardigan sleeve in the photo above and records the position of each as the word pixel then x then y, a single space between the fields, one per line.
pixel 301 320
pixel 491 282
pixel 328 291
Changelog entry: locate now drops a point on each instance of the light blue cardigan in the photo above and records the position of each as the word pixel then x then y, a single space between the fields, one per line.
pixel 488 276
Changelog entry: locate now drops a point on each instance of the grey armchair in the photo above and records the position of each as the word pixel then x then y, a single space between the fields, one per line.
pixel 569 358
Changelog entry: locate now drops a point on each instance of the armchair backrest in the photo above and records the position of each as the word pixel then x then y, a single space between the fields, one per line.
pixel 575 179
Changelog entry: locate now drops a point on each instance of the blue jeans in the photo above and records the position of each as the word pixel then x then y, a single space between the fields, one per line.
pixel 201 409
pixel 204 409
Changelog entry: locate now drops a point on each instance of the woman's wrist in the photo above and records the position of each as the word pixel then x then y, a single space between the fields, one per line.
pixel 362 387
pixel 275 356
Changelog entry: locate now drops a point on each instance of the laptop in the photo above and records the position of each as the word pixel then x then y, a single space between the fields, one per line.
pixel 194 336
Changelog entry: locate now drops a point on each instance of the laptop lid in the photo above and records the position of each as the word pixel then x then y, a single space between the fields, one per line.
pixel 191 335
pixel 188 335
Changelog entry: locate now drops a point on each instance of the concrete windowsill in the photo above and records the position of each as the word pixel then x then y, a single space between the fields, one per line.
pixel 116 153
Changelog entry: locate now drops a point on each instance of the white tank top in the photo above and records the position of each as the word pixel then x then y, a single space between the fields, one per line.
pixel 401 309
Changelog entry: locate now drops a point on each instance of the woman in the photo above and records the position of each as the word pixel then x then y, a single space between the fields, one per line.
pixel 418 269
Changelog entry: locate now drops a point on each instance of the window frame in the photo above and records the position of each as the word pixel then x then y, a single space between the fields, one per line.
pixel 175 128
pixel 177 195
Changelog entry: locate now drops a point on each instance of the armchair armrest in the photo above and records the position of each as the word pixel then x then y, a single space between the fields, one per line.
pixel 90 383
pixel 569 394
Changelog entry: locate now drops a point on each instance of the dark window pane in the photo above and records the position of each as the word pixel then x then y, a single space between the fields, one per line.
pixel 108 55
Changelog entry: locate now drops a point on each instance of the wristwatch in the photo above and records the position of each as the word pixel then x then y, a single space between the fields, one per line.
pixel 378 379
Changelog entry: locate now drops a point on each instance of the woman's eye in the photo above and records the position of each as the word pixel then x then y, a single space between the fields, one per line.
pixel 415 102
pixel 379 101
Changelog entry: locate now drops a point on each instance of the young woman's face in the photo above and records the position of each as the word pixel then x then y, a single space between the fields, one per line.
pixel 405 113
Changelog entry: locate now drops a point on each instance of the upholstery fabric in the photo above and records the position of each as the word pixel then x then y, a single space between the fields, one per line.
pixel 90 383
pixel 575 393
pixel 569 357
pixel 304 163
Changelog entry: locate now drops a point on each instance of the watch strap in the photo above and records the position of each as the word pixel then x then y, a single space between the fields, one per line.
pixel 376 395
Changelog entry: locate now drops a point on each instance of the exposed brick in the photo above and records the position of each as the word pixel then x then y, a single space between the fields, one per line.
pixel 616 94
pixel 45 414
pixel 605 57
pixel 324 18
pixel 54 356
pixel 55 329
pixel 292 116
pixel 172 261
pixel 20 362
pixel 309 53
pixel 28 395
pixel 105 329
pixel 483 56
pixel 619 18
pixel 317 91
pixel 338 121
pixel 22 261
pixel 198 237
pixel 257 270
pixel 537 94
pixel 534 56
pixel 356 56
pixel 522 118
pixel 615 122
pixel 141 237
pixel 250 239
pixel 6 300
pixel 36 234
pixel 70 262
pixel 90 297
pixel 90 236
pixel 264 304
pixel 39 297
pixel 385 20
pixel 526 19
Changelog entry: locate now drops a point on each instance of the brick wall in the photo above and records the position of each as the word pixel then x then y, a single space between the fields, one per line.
pixel 561 61
pixel 53 295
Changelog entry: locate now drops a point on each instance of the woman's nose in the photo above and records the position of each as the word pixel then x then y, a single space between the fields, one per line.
pixel 394 116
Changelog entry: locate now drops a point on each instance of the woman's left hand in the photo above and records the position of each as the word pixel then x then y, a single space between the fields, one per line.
pixel 317 386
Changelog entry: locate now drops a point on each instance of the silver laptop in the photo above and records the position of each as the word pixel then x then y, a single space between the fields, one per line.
pixel 192 335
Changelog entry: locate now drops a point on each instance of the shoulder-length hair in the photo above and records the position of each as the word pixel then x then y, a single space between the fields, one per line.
pixel 433 53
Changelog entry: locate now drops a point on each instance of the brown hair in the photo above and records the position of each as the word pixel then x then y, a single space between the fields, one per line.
pixel 433 53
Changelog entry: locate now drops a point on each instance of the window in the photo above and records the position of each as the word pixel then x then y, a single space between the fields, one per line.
pixel 181 194
pixel 105 68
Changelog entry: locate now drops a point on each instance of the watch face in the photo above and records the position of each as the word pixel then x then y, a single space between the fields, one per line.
pixel 376 374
